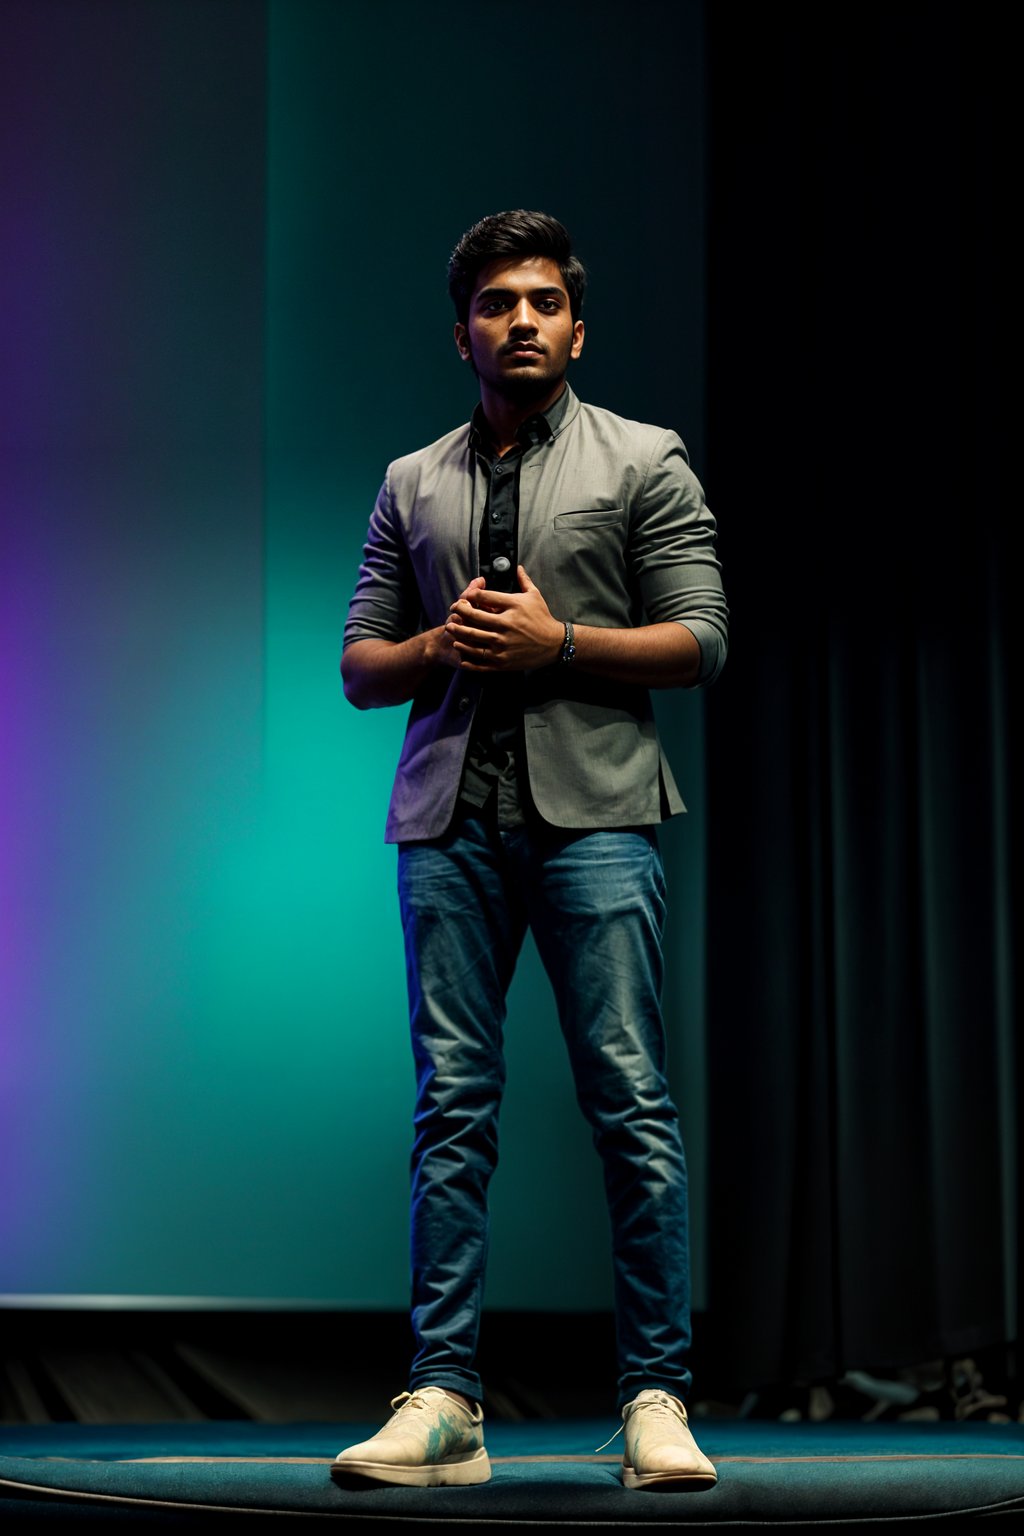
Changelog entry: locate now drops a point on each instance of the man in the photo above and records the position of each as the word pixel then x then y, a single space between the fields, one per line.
pixel 527 579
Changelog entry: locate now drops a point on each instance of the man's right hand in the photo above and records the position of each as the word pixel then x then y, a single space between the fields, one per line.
pixel 446 652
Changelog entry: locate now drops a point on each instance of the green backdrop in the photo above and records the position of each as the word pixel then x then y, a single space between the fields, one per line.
pixel 222 1108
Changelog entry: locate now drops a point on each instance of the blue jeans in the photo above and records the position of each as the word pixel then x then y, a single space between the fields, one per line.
pixel 596 904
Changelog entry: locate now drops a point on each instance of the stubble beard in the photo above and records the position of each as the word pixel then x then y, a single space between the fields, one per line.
pixel 521 386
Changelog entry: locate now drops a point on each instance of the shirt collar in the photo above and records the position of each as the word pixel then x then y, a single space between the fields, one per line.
pixel 535 429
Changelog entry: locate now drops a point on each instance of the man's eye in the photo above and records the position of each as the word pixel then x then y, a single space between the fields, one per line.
pixel 493 304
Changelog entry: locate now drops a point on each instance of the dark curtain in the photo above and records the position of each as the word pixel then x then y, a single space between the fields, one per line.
pixel 864 828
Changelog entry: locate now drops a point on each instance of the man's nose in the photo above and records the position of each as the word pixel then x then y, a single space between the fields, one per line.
pixel 522 317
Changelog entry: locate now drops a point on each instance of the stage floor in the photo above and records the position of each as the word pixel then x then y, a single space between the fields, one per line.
pixel 546 1474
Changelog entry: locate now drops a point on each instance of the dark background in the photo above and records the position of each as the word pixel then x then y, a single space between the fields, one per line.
pixel 864 858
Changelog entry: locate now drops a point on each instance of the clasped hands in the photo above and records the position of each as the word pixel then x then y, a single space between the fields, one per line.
pixel 502 631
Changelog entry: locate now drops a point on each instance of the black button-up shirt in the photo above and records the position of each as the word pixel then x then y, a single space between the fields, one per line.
pixel 494 759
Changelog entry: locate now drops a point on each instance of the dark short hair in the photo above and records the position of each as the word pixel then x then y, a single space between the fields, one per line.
pixel 517 232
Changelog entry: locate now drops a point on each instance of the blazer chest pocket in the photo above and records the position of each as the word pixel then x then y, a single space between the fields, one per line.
pixel 582 522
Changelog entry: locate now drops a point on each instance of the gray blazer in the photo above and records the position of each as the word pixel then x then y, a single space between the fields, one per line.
pixel 614 531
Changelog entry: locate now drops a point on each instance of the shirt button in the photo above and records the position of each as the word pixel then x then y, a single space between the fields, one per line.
pixel 502 564
pixel 495 517
pixel 463 703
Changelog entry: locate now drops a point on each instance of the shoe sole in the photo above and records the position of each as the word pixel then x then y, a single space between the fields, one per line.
pixel 463 1473
pixel 665 1482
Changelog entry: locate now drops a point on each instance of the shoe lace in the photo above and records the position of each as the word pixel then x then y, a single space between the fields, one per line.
pixel 652 1407
pixel 608 1442
pixel 408 1400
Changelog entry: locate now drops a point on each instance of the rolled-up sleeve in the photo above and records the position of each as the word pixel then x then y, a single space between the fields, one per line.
pixel 386 601
pixel 672 555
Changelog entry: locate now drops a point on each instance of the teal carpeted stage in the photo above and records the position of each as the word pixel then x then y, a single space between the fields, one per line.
pixel 546 1474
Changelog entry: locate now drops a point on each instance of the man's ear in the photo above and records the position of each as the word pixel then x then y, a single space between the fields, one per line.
pixel 462 340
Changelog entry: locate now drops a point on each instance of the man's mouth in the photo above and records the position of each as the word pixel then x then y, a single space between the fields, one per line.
pixel 517 348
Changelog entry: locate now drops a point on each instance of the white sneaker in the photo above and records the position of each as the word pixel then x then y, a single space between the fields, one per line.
pixel 660 1450
pixel 430 1441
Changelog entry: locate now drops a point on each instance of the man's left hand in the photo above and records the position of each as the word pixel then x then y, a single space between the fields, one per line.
pixel 505 631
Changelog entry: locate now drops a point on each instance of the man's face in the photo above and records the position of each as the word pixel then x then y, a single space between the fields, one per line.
pixel 520 333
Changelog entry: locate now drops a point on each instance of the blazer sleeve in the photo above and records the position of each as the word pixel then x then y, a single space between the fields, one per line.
pixel 671 552
pixel 386 602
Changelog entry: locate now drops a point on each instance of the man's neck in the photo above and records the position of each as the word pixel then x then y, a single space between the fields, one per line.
pixel 505 417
